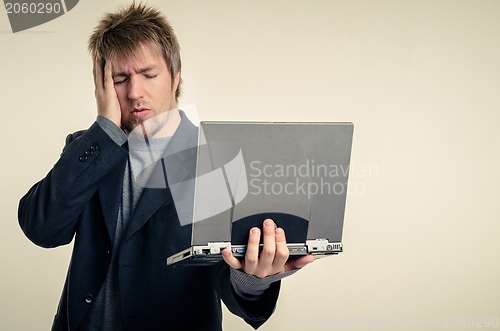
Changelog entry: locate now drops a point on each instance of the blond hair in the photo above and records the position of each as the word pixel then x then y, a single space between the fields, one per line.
pixel 122 32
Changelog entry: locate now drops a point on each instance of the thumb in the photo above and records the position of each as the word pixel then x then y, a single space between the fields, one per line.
pixel 231 260
pixel 299 263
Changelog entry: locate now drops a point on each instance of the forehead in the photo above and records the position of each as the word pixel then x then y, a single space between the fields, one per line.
pixel 145 55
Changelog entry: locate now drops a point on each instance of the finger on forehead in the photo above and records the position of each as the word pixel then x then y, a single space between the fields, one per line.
pixel 94 65
pixel 108 74
pixel 98 71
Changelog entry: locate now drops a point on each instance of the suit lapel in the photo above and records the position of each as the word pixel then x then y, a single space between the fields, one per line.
pixel 110 198
pixel 178 164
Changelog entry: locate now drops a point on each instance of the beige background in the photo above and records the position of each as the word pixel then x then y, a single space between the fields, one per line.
pixel 419 79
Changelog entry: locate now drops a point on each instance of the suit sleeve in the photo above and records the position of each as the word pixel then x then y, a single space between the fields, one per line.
pixel 254 312
pixel 48 213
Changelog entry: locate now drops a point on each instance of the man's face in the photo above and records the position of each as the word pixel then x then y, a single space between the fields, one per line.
pixel 143 86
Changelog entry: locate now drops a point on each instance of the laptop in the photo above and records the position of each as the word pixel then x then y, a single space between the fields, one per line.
pixel 245 172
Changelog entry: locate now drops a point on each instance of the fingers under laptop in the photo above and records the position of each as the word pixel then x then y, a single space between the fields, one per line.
pixel 282 253
pixel 271 260
pixel 252 254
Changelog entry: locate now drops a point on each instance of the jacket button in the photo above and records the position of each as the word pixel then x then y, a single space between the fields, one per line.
pixel 83 158
pixel 89 298
pixel 94 148
pixel 88 153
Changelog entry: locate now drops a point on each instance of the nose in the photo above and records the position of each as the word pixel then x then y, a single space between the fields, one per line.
pixel 135 88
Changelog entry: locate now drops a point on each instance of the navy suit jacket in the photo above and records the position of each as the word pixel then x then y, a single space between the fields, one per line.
pixel 80 197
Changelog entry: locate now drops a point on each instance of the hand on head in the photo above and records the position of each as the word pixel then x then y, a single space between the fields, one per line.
pixel 107 101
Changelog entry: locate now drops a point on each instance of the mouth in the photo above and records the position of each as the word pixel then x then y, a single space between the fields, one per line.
pixel 140 113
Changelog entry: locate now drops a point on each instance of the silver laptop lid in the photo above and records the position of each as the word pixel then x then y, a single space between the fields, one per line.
pixel 295 173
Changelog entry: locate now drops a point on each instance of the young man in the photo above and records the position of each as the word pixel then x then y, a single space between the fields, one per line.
pixel 123 232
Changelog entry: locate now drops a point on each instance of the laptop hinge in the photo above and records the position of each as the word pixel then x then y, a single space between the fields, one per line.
pixel 319 245
pixel 212 247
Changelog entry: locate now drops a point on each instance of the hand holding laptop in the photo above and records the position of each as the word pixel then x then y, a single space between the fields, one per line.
pixel 273 259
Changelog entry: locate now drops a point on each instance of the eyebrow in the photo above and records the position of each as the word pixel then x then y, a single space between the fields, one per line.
pixel 141 71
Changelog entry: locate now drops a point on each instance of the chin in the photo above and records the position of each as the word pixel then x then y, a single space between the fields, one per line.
pixel 131 124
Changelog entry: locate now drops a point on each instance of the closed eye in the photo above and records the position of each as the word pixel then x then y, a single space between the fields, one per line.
pixel 119 80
